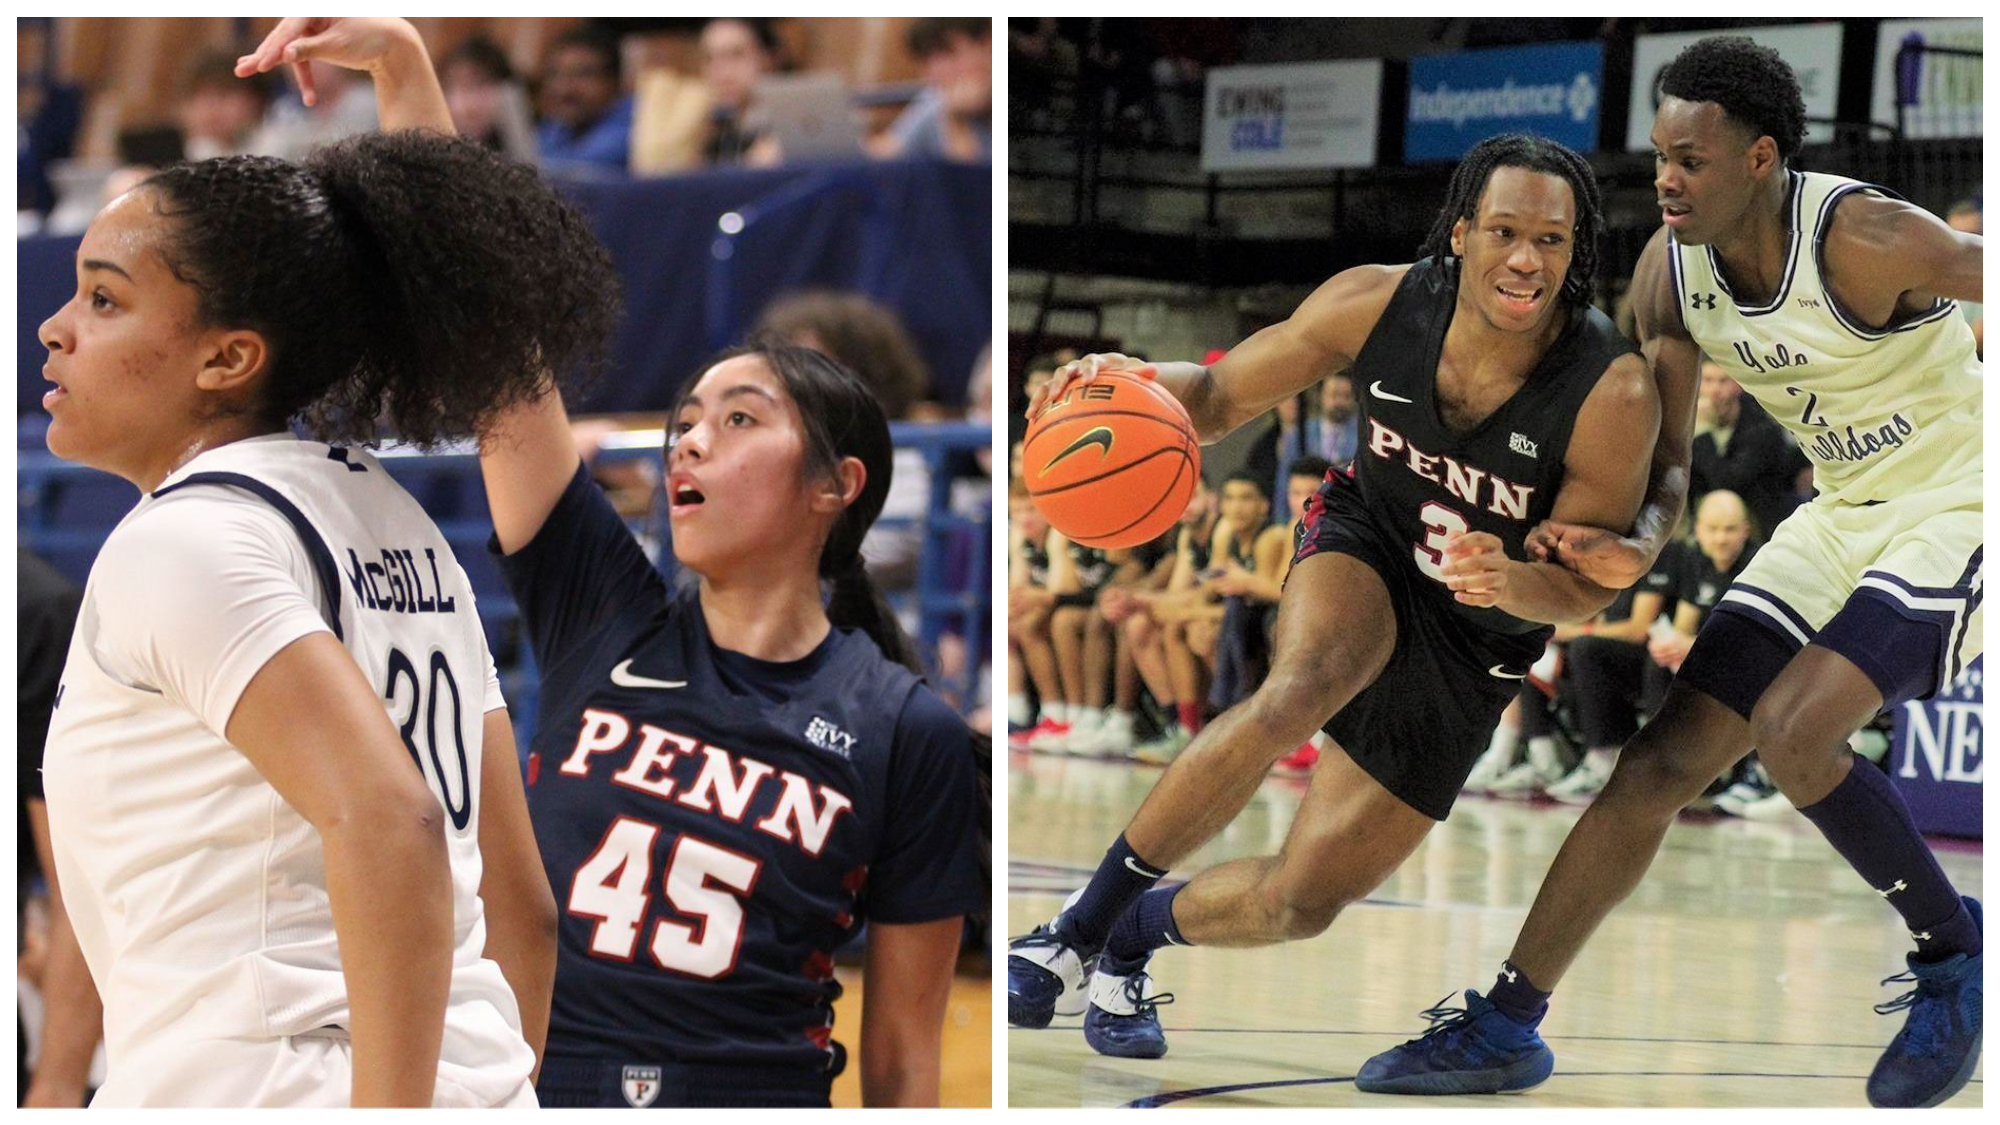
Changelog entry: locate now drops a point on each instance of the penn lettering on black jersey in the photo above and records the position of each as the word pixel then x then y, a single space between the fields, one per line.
pixel 715 826
pixel 1420 480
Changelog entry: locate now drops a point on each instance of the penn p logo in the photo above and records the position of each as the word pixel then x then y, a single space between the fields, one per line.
pixel 641 1085
pixel 1100 436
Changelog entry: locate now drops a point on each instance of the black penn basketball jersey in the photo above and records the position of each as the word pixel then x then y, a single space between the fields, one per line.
pixel 1421 481
pixel 715 826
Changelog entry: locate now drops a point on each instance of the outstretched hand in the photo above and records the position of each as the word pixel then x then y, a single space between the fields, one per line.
pixel 1082 372
pixel 1610 560
pixel 353 42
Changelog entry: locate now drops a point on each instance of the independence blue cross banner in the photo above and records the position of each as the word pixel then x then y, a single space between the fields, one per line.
pixel 1458 100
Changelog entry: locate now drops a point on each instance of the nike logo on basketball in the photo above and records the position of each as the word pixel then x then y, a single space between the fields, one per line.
pixel 1101 436
pixel 1501 671
pixel 1375 388
pixel 623 677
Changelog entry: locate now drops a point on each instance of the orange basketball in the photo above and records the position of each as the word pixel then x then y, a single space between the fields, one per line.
pixel 1112 463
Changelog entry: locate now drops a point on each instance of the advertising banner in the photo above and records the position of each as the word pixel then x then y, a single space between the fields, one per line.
pixel 1458 100
pixel 1291 116
pixel 1945 94
pixel 1936 758
pixel 1813 49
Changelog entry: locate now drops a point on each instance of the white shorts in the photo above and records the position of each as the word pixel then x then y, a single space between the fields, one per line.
pixel 310 1071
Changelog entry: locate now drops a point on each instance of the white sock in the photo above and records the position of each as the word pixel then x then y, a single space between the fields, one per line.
pixel 1056 710
pixel 1017 708
pixel 1606 756
pixel 1089 718
pixel 1505 739
pixel 1118 721
pixel 1542 753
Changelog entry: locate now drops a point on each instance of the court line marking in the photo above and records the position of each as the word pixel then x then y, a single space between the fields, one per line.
pixel 1551 1038
pixel 1155 1101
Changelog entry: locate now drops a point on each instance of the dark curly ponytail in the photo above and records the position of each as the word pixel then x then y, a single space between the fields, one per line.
pixel 841 418
pixel 407 275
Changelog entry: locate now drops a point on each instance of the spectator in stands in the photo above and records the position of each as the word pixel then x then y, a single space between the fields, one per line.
pixel 1967 216
pixel 1029 605
pixel 952 119
pixel 72 1014
pixel 587 119
pixel 219 112
pixel 1251 578
pixel 1151 568
pixel 1722 534
pixel 1340 420
pixel 1082 640
pixel 1739 447
pixel 343 105
pixel 1175 686
pixel 487 103
pixel 736 51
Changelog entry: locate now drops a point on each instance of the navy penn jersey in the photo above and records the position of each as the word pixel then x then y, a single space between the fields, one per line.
pixel 1420 480
pixel 715 826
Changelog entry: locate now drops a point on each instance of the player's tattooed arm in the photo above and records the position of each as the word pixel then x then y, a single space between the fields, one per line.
pixel 1603 485
pixel 1321 337
pixel 1887 260
pixel 1599 553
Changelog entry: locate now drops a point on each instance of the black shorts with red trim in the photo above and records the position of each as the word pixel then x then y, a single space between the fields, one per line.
pixel 1425 720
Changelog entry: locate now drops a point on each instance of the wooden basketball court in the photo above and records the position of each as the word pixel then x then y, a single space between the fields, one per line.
pixel 1741 973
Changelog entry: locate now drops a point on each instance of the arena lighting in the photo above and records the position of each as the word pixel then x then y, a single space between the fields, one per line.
pixel 731 222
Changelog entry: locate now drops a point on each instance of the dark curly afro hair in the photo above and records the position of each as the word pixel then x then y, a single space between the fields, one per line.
pixel 407 277
pixel 1751 83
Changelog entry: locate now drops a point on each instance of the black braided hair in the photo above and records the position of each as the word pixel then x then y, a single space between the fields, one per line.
pixel 410 276
pixel 1754 86
pixel 1536 154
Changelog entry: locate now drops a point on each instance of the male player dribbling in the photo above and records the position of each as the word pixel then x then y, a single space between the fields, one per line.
pixel 1493 397
pixel 1832 302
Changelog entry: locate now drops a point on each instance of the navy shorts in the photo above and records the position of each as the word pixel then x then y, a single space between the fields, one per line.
pixel 567 1082
pixel 1420 727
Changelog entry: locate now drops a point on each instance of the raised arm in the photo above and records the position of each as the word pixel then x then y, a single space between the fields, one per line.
pixel 1321 337
pixel 1603 484
pixel 1601 553
pixel 407 94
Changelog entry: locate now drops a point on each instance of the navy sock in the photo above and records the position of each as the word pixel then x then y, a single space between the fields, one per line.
pixel 1516 996
pixel 1120 879
pixel 1149 925
pixel 1866 821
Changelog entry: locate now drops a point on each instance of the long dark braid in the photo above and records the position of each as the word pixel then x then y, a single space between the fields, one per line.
pixel 1536 154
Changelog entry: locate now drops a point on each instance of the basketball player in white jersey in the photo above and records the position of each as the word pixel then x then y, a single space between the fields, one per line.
pixel 285 803
pixel 1833 302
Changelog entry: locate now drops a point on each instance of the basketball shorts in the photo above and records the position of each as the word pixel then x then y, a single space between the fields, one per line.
pixel 1425 720
pixel 310 1071
pixel 1893 586
pixel 569 1082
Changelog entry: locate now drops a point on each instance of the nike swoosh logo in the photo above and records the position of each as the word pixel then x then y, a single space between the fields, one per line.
pixel 623 677
pixel 1099 436
pixel 1501 671
pixel 1133 865
pixel 1375 388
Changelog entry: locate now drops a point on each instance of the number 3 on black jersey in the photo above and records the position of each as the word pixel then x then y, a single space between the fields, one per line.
pixel 402 669
pixel 704 881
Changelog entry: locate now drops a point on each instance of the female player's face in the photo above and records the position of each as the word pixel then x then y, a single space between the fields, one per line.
pixel 1517 247
pixel 125 350
pixel 734 485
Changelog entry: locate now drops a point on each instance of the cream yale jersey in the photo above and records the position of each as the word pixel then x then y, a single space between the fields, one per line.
pixel 198 895
pixel 1879 412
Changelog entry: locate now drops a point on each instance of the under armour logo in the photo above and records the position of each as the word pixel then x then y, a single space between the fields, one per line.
pixel 1512 976
pixel 1704 300
pixel 1900 886
pixel 1924 936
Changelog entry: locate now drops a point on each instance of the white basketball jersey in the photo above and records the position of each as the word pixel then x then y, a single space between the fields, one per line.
pixel 1879 413
pixel 198 895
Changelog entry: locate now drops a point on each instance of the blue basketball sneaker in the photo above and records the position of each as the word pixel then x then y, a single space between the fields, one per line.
pixel 1123 1020
pixel 1045 978
pixel 1934 1055
pixel 1477 1049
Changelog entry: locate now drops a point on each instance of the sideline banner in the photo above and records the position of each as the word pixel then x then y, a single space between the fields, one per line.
pixel 1947 93
pixel 1936 758
pixel 1812 49
pixel 1291 116
pixel 1458 100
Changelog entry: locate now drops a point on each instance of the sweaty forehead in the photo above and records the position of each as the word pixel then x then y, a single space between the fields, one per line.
pixel 125 233
pixel 1525 194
